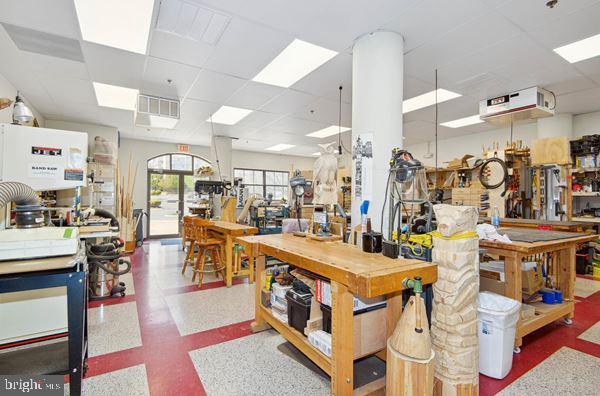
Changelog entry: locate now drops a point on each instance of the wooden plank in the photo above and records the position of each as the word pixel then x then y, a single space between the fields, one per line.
pixel 373 388
pixel 553 150
pixel 342 340
pixel 529 248
pixel 567 274
pixel 544 314
pixel 259 323
pixel 300 342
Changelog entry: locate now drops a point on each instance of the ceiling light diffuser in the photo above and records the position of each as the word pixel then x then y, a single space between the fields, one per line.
pixel 461 122
pixel 427 99
pixel 580 50
pixel 115 96
pixel 325 132
pixel 296 61
pixel 280 147
pixel 229 115
pixel 116 23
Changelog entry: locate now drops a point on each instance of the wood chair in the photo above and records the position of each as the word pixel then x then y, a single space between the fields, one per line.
pixel 206 244
pixel 188 236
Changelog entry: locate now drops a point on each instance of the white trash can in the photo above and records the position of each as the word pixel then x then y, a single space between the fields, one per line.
pixel 497 318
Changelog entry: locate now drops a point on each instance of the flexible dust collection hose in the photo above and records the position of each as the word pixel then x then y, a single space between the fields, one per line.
pixel 19 193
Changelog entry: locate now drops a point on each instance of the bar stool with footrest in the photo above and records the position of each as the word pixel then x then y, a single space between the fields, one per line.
pixel 206 245
pixel 188 236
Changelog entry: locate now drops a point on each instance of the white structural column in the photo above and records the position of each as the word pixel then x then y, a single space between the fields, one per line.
pixel 220 160
pixel 377 93
pixel 559 125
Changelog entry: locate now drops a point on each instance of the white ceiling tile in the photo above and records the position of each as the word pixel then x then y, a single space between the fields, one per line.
pixel 246 48
pixel 288 102
pixel 50 65
pixel 429 19
pixel 179 49
pixel 326 80
pixel 194 113
pixel 113 66
pixel 253 95
pixel 296 126
pixel 157 73
pixel 69 89
pixel 533 14
pixel 234 131
pixel 259 119
pixel 589 68
pixel 56 16
pixel 43 104
pixel 326 111
pixel 579 102
pixel 457 43
pixel 214 87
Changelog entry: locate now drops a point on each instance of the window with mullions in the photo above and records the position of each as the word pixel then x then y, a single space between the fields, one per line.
pixel 177 162
pixel 264 182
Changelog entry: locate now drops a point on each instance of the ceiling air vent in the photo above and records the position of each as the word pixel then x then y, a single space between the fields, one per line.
pixel 155 112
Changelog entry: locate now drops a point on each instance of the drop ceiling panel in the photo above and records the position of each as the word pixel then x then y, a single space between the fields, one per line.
pixel 432 18
pixel 590 68
pixel 288 101
pixel 52 66
pixel 573 27
pixel 246 48
pixel 214 87
pixel 259 119
pixel 69 90
pixel 157 73
pixel 55 16
pixel 39 42
pixel 530 15
pixel 179 49
pixel 325 81
pixel 326 111
pixel 579 102
pixel 234 131
pixel 114 66
pixel 458 43
pixel 297 126
pixel 253 95
pixel 271 137
pixel 43 104
pixel 194 113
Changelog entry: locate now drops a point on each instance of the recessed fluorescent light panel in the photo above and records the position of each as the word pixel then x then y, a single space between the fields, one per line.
pixel 229 115
pixel 296 61
pixel 325 132
pixel 580 50
pixel 280 147
pixel 115 97
pixel 461 122
pixel 317 153
pixel 427 99
pixel 123 24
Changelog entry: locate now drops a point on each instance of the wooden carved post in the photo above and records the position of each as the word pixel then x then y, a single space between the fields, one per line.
pixel 454 318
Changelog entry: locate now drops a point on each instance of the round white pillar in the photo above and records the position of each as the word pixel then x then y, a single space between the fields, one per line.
pixel 558 125
pixel 377 94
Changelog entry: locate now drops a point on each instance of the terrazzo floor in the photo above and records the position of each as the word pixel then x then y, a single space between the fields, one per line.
pixel 167 337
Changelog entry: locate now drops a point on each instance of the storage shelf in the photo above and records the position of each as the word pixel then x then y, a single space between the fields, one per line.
pixel 583 170
pixel 544 314
pixel 587 219
pixel 585 194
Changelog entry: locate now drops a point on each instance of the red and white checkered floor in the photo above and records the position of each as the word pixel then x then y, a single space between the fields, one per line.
pixel 167 337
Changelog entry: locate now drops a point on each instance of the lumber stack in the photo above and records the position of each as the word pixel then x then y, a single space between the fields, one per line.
pixel 124 210
pixel 454 318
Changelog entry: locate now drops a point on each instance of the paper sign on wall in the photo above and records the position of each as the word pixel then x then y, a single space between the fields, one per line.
pixel 362 166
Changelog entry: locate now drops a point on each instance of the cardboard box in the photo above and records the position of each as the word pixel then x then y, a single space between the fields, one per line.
pixel 459 162
pixel 492 285
pixel 532 280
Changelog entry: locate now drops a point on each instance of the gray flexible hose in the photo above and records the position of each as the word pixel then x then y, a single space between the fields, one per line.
pixel 19 193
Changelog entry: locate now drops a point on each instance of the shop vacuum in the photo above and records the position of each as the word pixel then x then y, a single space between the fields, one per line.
pixel 105 261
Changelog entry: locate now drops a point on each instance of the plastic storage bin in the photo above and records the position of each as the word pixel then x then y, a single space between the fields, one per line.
pixel 298 309
pixel 497 318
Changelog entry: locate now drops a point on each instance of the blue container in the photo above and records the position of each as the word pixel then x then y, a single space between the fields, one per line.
pixel 548 297
pixel 558 297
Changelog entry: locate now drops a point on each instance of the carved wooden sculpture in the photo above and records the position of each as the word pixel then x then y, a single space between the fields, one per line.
pixel 325 176
pixel 454 318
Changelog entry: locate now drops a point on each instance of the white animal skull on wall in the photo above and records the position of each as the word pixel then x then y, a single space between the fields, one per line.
pixel 325 176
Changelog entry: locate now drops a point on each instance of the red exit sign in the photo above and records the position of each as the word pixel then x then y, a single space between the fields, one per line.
pixel 183 148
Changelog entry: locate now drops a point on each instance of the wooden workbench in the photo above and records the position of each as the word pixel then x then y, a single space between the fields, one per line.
pixel 352 272
pixel 514 253
pixel 569 226
pixel 230 231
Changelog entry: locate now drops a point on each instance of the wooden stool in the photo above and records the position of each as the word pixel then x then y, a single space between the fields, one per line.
pixel 206 245
pixel 188 236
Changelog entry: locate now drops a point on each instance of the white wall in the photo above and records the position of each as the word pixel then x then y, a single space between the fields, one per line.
pixel 583 124
pixel 141 151
pixel 109 133
pixel 7 90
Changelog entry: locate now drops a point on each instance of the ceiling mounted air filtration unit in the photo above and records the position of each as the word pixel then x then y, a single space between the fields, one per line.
pixel 155 112
pixel 527 104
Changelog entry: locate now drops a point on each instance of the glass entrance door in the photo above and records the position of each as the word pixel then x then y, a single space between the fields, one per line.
pixel 165 204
